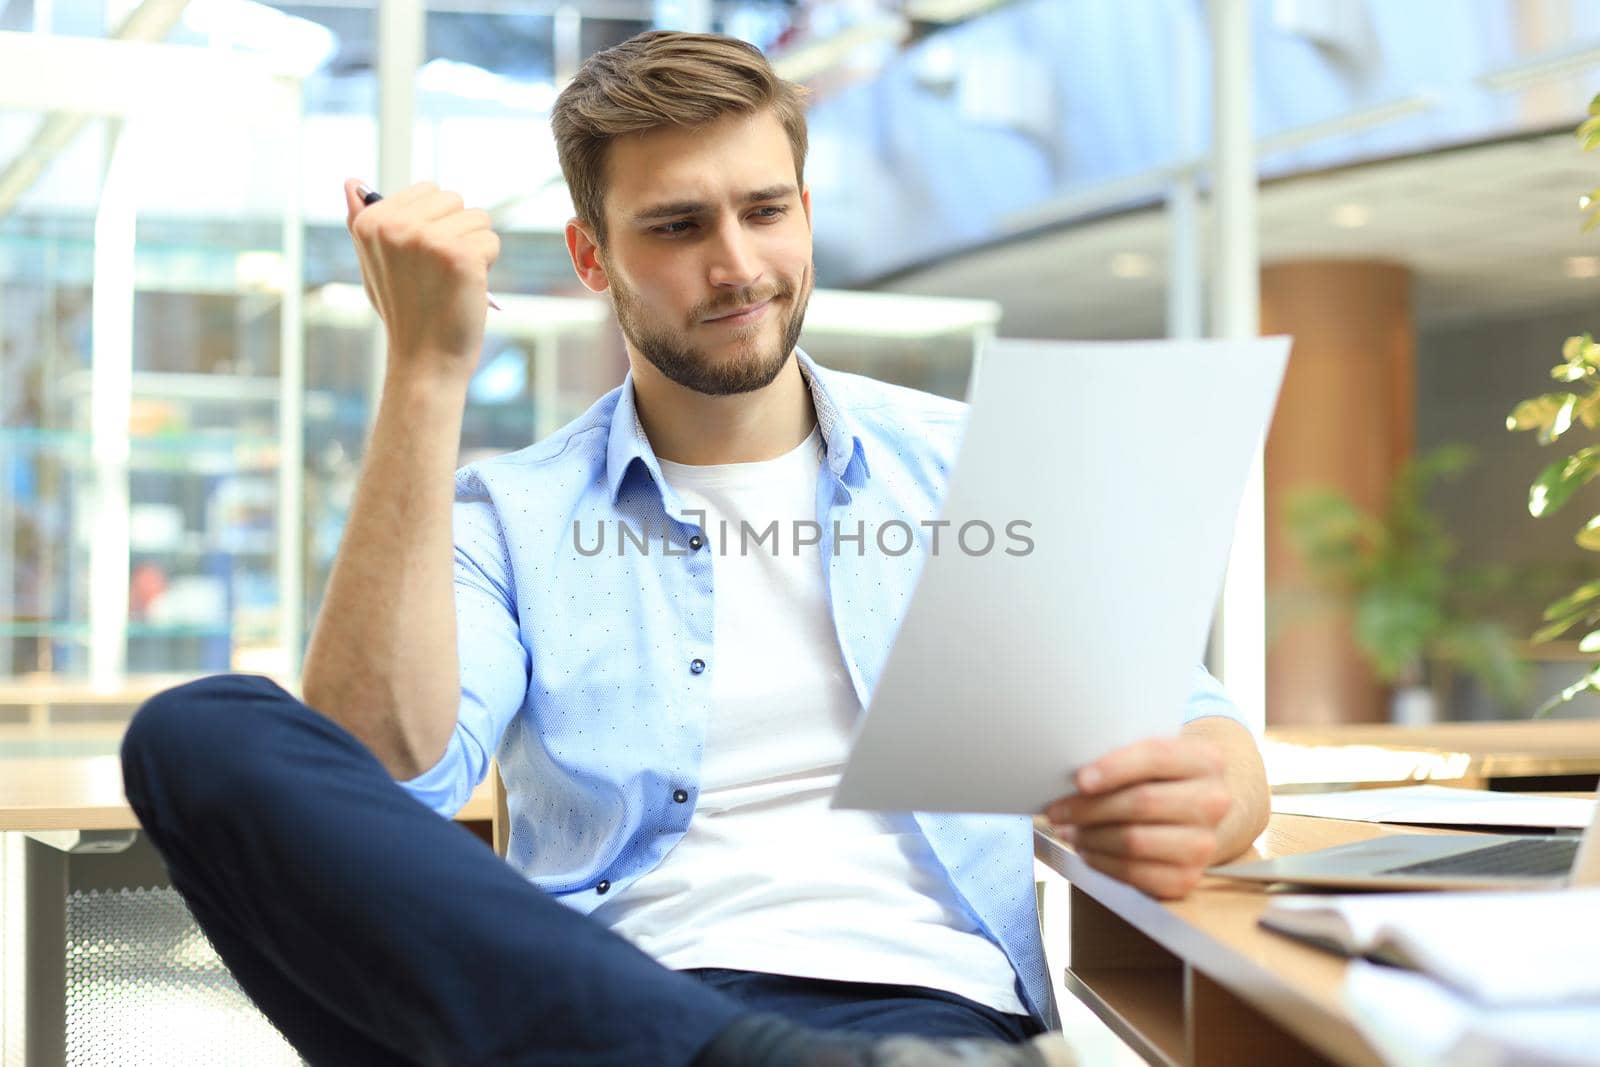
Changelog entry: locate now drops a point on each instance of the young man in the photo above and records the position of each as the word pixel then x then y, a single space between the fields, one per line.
pixel 670 710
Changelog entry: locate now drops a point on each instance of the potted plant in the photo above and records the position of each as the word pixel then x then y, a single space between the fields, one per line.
pixel 1552 415
pixel 1393 570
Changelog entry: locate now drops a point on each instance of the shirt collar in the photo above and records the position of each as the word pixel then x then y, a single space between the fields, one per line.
pixel 627 443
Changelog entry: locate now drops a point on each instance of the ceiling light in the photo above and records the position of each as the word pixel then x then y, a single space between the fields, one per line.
pixel 1351 216
pixel 1583 266
pixel 1130 265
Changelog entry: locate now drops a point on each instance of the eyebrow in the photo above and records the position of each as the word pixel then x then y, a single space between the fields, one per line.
pixel 697 207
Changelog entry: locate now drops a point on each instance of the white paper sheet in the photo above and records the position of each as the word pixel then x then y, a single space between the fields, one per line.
pixel 1413 1021
pixel 1439 805
pixel 1010 672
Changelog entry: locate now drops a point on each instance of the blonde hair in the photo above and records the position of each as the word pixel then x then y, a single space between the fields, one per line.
pixel 659 79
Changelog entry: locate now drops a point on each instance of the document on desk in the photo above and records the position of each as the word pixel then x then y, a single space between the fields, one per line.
pixel 1122 464
pixel 1503 948
pixel 1439 805
pixel 1413 1021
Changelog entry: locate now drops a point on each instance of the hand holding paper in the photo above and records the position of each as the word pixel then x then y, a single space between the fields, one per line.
pixel 1147 813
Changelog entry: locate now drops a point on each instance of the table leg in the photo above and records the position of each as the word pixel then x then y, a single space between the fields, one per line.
pixel 103 963
pixel 33 982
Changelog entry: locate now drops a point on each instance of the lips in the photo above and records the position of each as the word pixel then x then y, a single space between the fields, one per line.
pixel 748 313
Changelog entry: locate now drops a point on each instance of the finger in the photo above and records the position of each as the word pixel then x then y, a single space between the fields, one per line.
pixel 1184 846
pixel 484 244
pixel 1202 801
pixel 1161 880
pixel 410 194
pixel 470 220
pixel 431 207
pixel 352 202
pixel 1152 758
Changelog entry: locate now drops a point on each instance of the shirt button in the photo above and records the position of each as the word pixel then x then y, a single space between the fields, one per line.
pixel 695 541
pixel 696 666
pixel 602 886
pixel 680 796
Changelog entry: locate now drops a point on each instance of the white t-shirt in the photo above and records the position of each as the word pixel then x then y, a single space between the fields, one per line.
pixel 768 877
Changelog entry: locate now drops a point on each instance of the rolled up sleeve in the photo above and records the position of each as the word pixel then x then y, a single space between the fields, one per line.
pixel 494 661
pixel 1209 698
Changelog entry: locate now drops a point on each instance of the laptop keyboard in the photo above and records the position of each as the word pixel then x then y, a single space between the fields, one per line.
pixel 1534 857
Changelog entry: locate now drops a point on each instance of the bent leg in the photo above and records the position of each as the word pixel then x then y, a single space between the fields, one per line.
pixel 331 892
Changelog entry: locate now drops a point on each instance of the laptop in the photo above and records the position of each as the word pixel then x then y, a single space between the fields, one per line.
pixel 1439 861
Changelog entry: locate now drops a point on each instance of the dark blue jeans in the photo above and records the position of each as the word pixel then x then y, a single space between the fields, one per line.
pixel 371 931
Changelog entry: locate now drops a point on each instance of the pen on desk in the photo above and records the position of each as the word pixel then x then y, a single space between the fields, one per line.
pixel 370 196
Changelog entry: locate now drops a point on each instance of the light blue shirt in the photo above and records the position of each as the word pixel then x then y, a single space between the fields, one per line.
pixel 587 673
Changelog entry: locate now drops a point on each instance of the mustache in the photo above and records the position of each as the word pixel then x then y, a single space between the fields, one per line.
pixel 743 298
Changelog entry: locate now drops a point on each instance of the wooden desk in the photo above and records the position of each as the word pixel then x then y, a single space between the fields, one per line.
pixel 1198 982
pixel 67 834
pixel 85 793
pixel 1544 754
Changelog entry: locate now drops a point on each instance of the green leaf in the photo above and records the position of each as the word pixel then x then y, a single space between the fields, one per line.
pixel 1485 650
pixel 1591 139
pixel 1589 536
pixel 1591 222
pixel 1557 482
pixel 1594 105
pixel 1550 414
pixel 1563 419
pixel 1589 410
pixel 1583 596
pixel 1556 629
pixel 1394 628
pixel 1582 685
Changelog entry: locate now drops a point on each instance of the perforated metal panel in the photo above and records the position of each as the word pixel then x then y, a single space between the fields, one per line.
pixel 146 989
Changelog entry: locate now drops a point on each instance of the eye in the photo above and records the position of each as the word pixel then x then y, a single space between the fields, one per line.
pixel 770 214
pixel 672 229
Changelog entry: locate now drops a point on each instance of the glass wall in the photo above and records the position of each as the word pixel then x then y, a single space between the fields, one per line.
pixel 141 313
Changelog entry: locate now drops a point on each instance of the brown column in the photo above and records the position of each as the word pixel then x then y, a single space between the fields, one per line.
pixel 1345 419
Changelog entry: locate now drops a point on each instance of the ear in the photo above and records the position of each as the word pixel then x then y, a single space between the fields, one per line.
pixel 585 253
pixel 805 202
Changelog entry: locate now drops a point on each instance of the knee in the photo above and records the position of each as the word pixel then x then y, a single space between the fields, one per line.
pixel 199 730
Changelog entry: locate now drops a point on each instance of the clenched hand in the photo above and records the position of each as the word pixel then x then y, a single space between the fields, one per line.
pixel 425 261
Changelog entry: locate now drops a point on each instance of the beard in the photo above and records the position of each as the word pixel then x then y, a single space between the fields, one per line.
pixel 750 366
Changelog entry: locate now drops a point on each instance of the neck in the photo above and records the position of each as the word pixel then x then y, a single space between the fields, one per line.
pixel 689 427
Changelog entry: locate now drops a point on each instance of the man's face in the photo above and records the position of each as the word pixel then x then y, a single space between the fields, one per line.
pixel 708 251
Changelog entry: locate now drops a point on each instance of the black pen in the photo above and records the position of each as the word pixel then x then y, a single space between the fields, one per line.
pixel 370 196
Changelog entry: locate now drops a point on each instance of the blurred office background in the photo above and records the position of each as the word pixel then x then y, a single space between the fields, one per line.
pixel 187 361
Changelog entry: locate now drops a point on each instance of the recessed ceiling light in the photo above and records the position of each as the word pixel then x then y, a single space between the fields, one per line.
pixel 1130 265
pixel 1583 266
pixel 1351 216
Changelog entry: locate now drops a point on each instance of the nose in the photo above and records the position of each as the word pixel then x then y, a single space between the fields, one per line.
pixel 733 263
